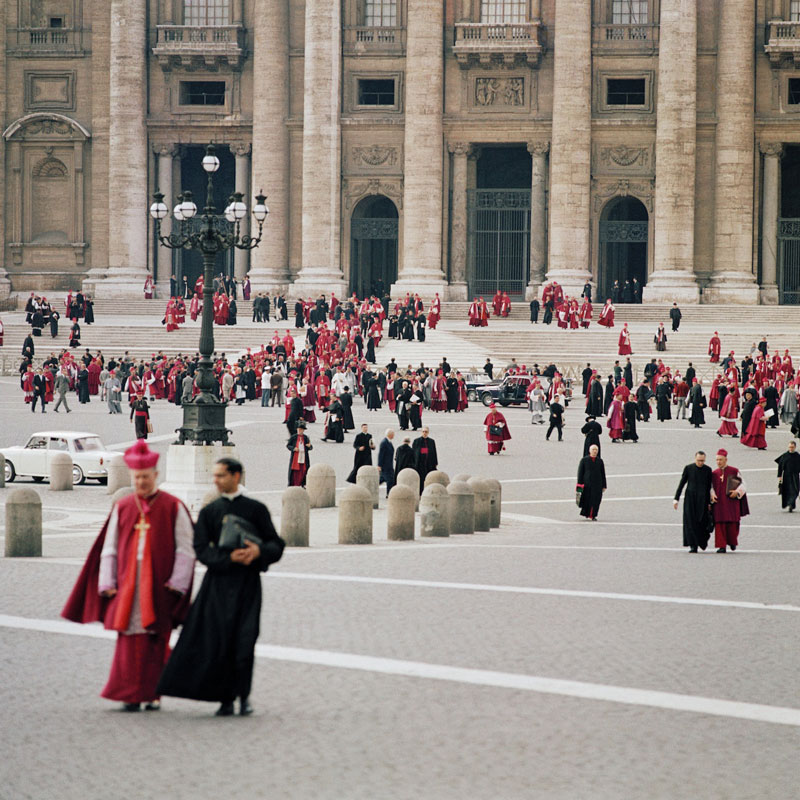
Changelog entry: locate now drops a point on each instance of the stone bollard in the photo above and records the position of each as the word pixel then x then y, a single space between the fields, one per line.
pixel 410 478
pixel 462 478
pixel 401 504
pixel 433 511
pixel 23 524
pixel 321 486
pixel 295 507
pixel 437 476
pixel 370 478
pixel 119 475
pixel 123 491
pixel 497 499
pixel 483 503
pixel 60 472
pixel 355 516
pixel 2 471
pixel 461 508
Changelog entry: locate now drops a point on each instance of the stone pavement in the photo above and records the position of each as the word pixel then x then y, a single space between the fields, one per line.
pixel 552 658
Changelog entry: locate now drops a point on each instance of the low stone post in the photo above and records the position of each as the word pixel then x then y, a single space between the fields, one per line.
pixel 123 491
pixel 437 476
pixel 23 524
pixel 461 508
pixel 410 478
pixel 321 486
pixel 369 477
pixel 462 478
pixel 433 511
pixel 355 516
pixel 60 472
pixel 401 504
pixel 483 503
pixel 119 475
pixel 2 471
pixel 497 499
pixel 295 507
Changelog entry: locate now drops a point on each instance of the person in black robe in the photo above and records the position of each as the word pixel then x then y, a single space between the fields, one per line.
pixel 643 395
pixel 535 310
pixel 591 483
pixel 363 445
pixel 629 411
pixel 594 402
pixel 789 476
pixel 373 393
pixel 404 457
pixel 213 659
pixel 586 375
pixel 28 348
pixel 54 316
pixel 609 394
pixel 627 292
pixel 75 335
pixel 250 383
pixel 675 315
pixel 232 311
pixel 371 350
pixel 386 460
pixel 548 312
pixel 415 411
pixel 663 401
pixel 770 393
pixel 83 385
pixel 421 328
pixel 628 373
pixel 88 310
pixel 698 401
pixel 295 414
pixel 452 392
pixel 408 329
pixel 402 399
pixel 333 422
pixel 299 321
pixel 750 401
pixel 425 458
pixel 346 400
pixel 392 333
pixel 592 431
pixel 37 322
pixel 697 521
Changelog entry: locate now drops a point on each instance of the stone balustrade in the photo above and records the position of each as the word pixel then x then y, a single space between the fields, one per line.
pixel 504 43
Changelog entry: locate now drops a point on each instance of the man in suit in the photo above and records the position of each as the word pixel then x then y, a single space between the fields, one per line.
pixel 61 389
pixel 386 460
pixel 39 390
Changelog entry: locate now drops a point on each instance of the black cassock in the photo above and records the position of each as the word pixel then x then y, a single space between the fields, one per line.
pixel 346 400
pixel 403 459
pixel 592 476
pixel 592 430
pixel 789 469
pixel 696 516
pixel 698 401
pixel 333 428
pixel 424 462
pixel 362 457
pixel 663 400
pixel 213 659
pixel 594 406
pixel 629 411
pixel 83 386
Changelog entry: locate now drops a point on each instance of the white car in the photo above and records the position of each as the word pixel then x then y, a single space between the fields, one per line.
pixel 89 456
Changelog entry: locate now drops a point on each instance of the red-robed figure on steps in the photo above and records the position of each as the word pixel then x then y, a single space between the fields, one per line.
pixel 606 318
pixel 137 580
pixel 714 348
pixel 625 341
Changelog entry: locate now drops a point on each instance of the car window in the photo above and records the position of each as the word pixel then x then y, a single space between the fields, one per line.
pixel 88 443
pixel 36 443
pixel 58 444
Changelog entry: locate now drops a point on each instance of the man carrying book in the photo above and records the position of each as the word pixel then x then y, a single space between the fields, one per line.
pixel 728 502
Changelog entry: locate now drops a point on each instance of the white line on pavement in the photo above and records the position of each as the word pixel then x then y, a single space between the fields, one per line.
pixel 607 499
pixel 627 475
pixel 670 701
pixel 548 521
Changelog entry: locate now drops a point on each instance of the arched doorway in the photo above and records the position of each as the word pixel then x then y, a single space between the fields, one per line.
pixel 373 246
pixel 623 244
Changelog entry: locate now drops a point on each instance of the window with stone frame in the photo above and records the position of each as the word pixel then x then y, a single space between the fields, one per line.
pixel 206 12
pixel 630 12
pixel 793 91
pixel 380 13
pixel 794 11
pixel 497 12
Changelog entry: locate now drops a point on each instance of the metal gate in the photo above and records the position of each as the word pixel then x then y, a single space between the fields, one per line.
pixel 498 241
pixel 789 261
pixel 373 254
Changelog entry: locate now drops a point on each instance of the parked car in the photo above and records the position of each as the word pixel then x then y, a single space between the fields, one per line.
pixel 89 456
pixel 513 391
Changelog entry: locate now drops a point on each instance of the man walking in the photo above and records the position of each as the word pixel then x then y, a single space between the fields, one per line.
pixel 61 389
pixel 556 417
pixel 113 392
pixel 425 457
pixel 789 476
pixel 39 390
pixel 675 315
pixel 364 445
pixel 729 503
pixel 591 483
pixel 386 460
pixel 696 503
pixel 235 539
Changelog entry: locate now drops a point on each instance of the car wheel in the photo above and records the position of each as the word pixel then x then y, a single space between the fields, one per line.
pixel 38 478
pixel 10 472
pixel 486 398
pixel 472 396
pixel 78 478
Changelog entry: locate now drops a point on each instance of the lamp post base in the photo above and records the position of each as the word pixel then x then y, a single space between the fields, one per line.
pixel 190 470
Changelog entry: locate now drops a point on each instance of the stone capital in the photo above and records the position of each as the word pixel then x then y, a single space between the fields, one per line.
pixel 165 149
pixel 240 148
pixel 459 148
pixel 539 148
pixel 771 148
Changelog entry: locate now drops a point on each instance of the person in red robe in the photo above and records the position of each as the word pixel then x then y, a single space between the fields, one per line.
pixel 607 315
pixel 195 307
pixel 729 414
pixel 496 430
pixel 299 445
pixel 497 302
pixel 439 393
pixel 728 503
pixel 94 377
pixel 435 313
pixel 483 313
pixel 586 313
pixel 137 581
pixel 27 384
pixel 148 290
pixel 757 427
pixel 474 314
pixel 625 341
pixel 616 420
pixel 505 305
pixel 714 348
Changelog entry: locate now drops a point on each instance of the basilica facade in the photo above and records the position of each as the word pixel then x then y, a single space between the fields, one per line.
pixel 457 146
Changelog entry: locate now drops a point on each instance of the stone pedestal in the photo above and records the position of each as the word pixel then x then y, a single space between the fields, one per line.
pixel 355 516
pixel 189 471
pixel 321 485
pixel 433 511
pixel 437 476
pixel 400 518
pixel 60 472
pixel 483 503
pixel 295 517
pixel 496 501
pixel 461 508
pixel 119 476
pixel 23 532
pixel 368 477
pixel 410 478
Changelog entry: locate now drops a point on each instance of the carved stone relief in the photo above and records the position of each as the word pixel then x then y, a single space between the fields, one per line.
pixel 603 191
pixel 501 93
pixel 622 159
pixel 355 190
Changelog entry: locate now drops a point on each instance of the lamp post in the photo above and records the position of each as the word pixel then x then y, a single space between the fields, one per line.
pixel 204 415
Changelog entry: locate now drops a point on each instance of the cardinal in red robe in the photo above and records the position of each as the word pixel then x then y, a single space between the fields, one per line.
pixel 625 341
pixel 728 503
pixel 714 348
pixel 496 429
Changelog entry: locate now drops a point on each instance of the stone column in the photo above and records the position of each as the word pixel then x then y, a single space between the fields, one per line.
pixel 127 162
pixel 733 280
pixel 570 160
pixel 673 275
pixel 421 268
pixel 538 249
pixel 321 268
pixel 269 262
pixel 241 153
pixel 770 210
pixel 5 283
pixel 458 223
pixel 165 154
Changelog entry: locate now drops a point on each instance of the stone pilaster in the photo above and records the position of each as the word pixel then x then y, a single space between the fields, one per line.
pixel 538 247
pixel 165 155
pixel 570 158
pixel 271 164
pixel 321 267
pixel 673 276
pixel 421 267
pixel 241 154
pixel 128 158
pixel 770 209
pixel 5 283
pixel 458 223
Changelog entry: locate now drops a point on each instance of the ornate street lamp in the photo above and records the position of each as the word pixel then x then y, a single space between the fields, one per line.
pixel 204 416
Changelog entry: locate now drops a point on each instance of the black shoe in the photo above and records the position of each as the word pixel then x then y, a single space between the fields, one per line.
pixel 131 707
pixel 153 705
pixel 721 550
pixel 224 710
pixel 735 436
pixel 692 549
pixel 245 709
pixel 733 547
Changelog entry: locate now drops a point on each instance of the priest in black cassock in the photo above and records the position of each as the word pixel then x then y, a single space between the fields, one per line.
pixel 425 457
pixel 364 445
pixel 697 521
pixel 404 457
pixel 594 398
pixel 592 431
pixel 789 476
pixel 213 659
pixel 591 483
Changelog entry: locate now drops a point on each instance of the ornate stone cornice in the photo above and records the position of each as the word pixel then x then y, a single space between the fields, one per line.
pixel 539 148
